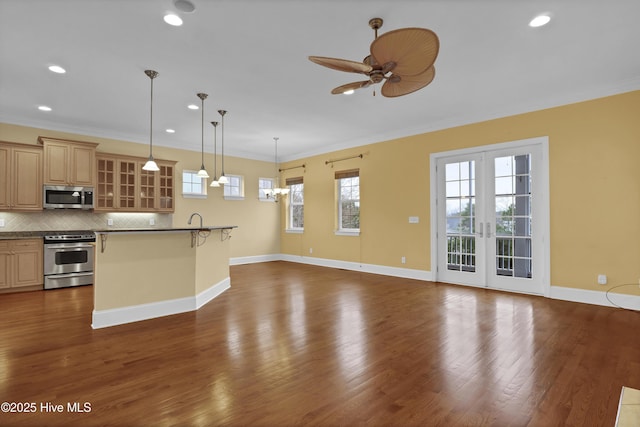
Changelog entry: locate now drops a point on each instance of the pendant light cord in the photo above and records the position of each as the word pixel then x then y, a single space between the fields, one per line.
pixel 222 113
pixel 151 122
pixel 215 150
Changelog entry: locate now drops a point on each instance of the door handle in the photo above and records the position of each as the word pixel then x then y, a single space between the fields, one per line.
pixel 69 247
pixel 488 230
pixel 480 233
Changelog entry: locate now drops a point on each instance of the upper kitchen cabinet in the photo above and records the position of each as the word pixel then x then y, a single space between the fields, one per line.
pixel 122 185
pixel 20 177
pixel 69 163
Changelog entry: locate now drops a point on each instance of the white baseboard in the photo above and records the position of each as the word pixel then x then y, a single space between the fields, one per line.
pixel 210 293
pixel 557 292
pixel 254 259
pixel 631 302
pixel 136 313
pixel 384 270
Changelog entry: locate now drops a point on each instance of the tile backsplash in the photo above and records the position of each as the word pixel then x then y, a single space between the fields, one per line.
pixel 63 219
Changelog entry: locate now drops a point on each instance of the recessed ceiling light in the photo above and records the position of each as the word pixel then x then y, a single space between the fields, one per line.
pixel 184 6
pixel 539 21
pixel 170 131
pixel 57 69
pixel 44 108
pixel 172 19
pixel 193 107
pixel 348 92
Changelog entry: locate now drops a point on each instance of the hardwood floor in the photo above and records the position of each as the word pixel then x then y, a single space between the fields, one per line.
pixel 293 344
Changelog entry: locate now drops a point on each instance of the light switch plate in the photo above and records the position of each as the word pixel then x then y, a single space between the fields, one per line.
pixel 414 220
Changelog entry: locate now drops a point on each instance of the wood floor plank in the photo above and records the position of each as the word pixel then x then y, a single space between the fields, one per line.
pixel 293 344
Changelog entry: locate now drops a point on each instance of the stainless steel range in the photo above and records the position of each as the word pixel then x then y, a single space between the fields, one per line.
pixel 68 259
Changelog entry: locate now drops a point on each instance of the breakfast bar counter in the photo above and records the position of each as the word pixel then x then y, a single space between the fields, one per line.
pixel 152 272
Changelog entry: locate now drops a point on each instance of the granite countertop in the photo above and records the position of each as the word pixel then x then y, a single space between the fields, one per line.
pixel 164 230
pixel 16 235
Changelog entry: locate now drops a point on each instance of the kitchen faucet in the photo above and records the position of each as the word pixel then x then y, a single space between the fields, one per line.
pixel 191 217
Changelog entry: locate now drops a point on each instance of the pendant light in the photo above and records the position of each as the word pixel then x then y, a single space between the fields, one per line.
pixel 151 164
pixel 202 173
pixel 223 179
pixel 214 182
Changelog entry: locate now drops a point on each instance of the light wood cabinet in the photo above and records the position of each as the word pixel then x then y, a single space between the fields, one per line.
pixel 70 163
pixel 122 185
pixel 105 193
pixel 21 264
pixel 20 177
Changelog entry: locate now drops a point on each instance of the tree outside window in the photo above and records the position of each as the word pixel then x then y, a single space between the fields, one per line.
pixel 349 200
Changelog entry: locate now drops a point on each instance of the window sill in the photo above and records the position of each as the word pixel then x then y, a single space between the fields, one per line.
pixel 264 199
pixel 234 197
pixel 194 196
pixel 347 232
pixel 294 230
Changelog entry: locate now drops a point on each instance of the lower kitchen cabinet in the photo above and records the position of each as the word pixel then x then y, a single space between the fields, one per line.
pixel 21 265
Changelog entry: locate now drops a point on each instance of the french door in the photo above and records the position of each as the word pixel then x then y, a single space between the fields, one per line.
pixel 491 212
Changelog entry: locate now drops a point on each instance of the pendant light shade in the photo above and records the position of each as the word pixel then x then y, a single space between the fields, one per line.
pixel 202 173
pixel 214 182
pixel 223 179
pixel 151 164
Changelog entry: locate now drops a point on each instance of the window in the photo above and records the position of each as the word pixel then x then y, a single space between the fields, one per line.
pixel 265 184
pixel 348 186
pixel 296 204
pixel 193 185
pixel 234 190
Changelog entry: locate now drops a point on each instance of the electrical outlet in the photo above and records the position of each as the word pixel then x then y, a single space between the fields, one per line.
pixel 109 221
pixel 1 222
pixel 152 221
pixel 310 250
pixel 404 260
pixel 602 279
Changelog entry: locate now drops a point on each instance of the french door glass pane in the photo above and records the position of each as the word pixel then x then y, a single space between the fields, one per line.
pixel 513 216
pixel 460 212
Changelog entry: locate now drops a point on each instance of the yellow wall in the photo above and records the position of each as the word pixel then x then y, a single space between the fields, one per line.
pixel 257 232
pixel 594 153
pixel 594 148
pixel 127 271
pixel 143 268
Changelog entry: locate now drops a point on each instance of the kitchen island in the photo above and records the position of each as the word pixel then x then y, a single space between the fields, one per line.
pixel 146 273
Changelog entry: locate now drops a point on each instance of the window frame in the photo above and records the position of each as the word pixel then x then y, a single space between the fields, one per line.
pixel 340 178
pixel 291 182
pixel 261 194
pixel 203 183
pixel 227 196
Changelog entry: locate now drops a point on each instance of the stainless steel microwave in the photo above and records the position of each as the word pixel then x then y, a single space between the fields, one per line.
pixel 63 197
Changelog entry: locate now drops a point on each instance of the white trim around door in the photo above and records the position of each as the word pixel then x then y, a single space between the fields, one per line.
pixel 475 240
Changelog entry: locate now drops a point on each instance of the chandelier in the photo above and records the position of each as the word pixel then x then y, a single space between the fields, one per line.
pixel 274 193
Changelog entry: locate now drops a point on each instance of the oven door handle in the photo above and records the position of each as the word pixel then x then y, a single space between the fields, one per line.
pixel 65 276
pixel 68 247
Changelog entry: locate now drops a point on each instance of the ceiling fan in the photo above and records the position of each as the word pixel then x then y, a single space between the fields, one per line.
pixel 403 58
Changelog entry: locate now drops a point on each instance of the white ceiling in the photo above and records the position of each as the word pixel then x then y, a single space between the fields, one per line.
pixel 250 56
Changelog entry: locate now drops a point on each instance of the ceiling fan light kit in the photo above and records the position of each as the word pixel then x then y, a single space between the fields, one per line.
pixel 404 59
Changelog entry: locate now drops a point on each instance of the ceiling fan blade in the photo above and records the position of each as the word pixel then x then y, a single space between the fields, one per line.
pixel 403 85
pixel 350 86
pixel 413 50
pixel 341 64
